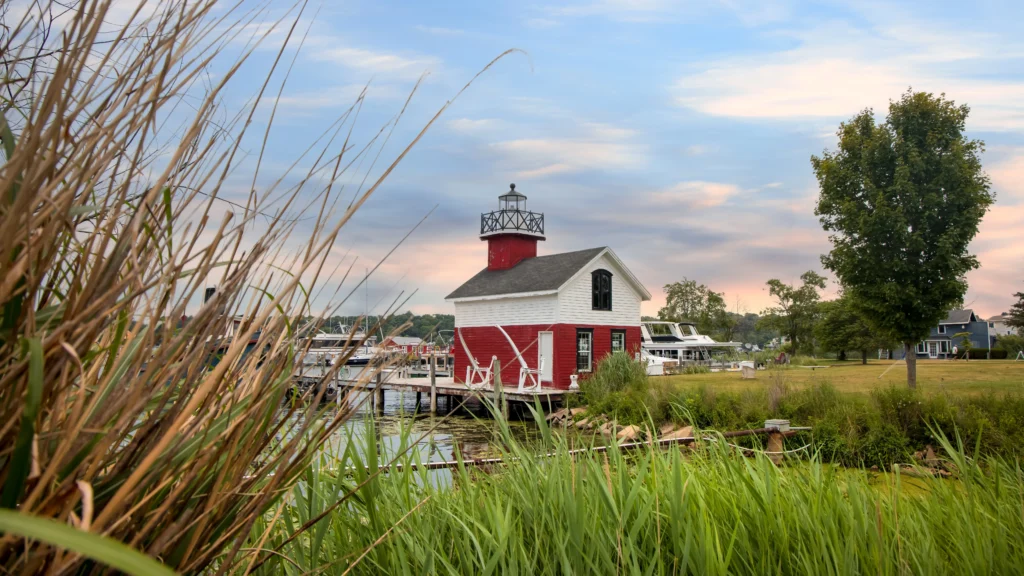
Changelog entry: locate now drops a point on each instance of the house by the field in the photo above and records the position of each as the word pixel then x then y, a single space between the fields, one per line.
pixel 997 326
pixel 942 339
pixel 558 314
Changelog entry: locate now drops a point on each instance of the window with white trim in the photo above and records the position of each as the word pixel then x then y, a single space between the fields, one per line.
pixel 942 329
pixel 922 348
pixel 944 346
pixel 584 350
pixel 618 341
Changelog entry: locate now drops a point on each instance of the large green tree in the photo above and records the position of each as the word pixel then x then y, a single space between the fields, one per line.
pixel 688 301
pixel 902 200
pixel 841 328
pixel 1017 313
pixel 796 309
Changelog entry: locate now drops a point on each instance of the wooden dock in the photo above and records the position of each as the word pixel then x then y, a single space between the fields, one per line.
pixel 442 386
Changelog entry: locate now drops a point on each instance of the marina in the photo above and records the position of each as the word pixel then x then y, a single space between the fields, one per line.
pixel 433 387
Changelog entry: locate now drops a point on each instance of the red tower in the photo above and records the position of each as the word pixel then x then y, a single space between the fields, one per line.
pixel 511 231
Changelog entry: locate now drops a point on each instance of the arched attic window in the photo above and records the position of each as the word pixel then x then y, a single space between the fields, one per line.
pixel 601 288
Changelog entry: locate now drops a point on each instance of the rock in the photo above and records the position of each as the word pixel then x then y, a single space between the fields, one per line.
pixel 574 411
pixel 918 455
pixel 582 423
pixel 557 415
pixel 667 428
pixel 628 434
pixel 929 454
pixel 685 432
pixel 609 428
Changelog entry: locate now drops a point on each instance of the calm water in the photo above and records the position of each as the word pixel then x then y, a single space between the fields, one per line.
pixel 468 429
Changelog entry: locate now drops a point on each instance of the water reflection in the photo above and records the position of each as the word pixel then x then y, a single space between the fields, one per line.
pixel 461 425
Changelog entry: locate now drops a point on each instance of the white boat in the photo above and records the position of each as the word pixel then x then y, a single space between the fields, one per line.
pixel 325 349
pixel 680 342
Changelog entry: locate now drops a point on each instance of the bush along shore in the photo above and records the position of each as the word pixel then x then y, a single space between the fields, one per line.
pixel 885 427
pixel 703 511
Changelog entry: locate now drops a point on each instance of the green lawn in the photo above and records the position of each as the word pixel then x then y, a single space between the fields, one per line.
pixel 933 376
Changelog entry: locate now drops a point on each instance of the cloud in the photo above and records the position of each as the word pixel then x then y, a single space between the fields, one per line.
pixel 598 147
pixel 837 70
pixel 333 97
pixel 541 23
pixel 621 10
pixel 696 194
pixel 436 31
pixel 376 63
pixel 473 126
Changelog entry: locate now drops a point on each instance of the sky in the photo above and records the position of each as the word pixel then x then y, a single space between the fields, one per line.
pixel 677 133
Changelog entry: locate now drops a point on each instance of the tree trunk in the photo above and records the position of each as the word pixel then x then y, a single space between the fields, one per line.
pixel 863 356
pixel 842 355
pixel 910 349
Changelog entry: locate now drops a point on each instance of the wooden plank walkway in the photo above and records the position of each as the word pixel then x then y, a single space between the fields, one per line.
pixel 445 386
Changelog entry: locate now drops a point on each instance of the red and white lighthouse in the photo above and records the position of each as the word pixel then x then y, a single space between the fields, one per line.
pixel 555 315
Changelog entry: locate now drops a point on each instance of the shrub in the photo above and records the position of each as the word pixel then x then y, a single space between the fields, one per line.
pixel 1010 344
pixel 620 389
pixel 998 354
pixel 883 446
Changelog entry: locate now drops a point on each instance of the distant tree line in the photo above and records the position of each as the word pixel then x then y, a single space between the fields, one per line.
pixel 424 326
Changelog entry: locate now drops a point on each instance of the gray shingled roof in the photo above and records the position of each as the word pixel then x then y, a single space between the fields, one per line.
pixel 531 275
pixel 958 317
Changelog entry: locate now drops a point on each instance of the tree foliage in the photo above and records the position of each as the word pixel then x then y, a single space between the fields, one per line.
pixel 841 329
pixel 424 326
pixel 1017 313
pixel 902 200
pixel 796 310
pixel 687 301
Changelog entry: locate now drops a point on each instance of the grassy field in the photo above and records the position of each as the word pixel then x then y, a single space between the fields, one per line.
pixel 933 376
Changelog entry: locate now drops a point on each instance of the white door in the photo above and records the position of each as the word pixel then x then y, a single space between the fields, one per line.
pixel 545 356
pixel 933 349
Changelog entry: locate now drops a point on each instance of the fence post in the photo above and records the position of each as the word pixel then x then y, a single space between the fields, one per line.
pixel 775 443
pixel 379 391
pixel 499 389
pixel 433 387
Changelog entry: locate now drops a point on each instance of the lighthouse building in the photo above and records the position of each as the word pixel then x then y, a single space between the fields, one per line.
pixel 555 315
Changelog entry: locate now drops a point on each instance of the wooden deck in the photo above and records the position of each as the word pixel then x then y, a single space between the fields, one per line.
pixel 444 386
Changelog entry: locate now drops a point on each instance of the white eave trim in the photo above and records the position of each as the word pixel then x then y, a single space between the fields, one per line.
pixel 644 294
pixel 502 296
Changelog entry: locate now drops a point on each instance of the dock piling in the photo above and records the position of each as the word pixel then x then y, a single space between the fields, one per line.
pixel 378 391
pixel 433 386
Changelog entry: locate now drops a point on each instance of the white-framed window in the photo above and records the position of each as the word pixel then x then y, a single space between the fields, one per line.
pixel 944 347
pixel 584 350
pixel 942 329
pixel 922 348
pixel 618 341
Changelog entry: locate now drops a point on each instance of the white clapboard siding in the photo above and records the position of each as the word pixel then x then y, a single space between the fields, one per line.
pixel 507 312
pixel 575 303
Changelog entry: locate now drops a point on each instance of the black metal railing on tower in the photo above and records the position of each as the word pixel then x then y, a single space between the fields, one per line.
pixel 511 221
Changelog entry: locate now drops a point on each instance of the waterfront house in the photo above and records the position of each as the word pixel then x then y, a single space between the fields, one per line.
pixel 551 316
pixel 942 338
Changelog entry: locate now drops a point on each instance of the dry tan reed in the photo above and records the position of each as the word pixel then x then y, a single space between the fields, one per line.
pixel 114 419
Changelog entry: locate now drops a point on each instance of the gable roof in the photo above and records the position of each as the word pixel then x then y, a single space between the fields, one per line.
pixel 959 317
pixel 538 275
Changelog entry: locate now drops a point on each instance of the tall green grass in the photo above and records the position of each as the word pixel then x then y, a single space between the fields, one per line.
pixel 649 512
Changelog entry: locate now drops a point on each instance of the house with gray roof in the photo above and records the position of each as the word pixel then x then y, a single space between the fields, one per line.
pixel 942 339
pixel 545 319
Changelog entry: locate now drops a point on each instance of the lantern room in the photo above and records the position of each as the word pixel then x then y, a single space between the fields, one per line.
pixel 511 231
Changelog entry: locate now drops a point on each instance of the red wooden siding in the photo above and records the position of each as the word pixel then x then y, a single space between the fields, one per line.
pixel 487 341
pixel 506 250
